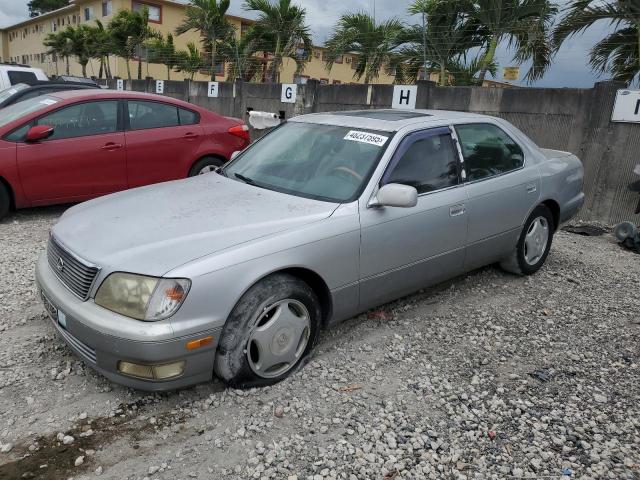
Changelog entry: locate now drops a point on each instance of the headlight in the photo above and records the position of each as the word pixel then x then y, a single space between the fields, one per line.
pixel 142 298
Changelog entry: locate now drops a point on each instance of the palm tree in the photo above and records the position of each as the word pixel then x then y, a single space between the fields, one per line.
pixel 58 47
pixel 373 43
pixel 446 34
pixel 619 52
pixel 240 54
pixel 281 31
pixel 208 18
pixel 525 24
pixel 100 47
pixel 189 61
pixel 129 32
pixel 164 52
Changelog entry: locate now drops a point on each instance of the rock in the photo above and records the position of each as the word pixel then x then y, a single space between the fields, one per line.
pixel 79 461
pixel 600 398
pixel 67 440
pixel 6 448
pixel 99 470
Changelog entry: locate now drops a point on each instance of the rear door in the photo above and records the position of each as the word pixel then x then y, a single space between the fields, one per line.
pixel 502 190
pixel 84 157
pixel 162 141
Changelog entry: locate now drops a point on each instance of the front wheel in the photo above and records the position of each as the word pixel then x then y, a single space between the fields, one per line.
pixel 533 245
pixel 5 201
pixel 270 330
pixel 205 165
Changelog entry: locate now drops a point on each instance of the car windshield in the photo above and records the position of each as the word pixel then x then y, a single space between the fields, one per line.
pixel 9 92
pixel 17 110
pixel 323 162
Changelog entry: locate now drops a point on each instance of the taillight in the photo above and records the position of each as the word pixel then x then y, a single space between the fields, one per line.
pixel 241 131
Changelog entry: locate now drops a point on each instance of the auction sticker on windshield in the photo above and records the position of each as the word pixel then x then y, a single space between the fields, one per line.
pixel 366 137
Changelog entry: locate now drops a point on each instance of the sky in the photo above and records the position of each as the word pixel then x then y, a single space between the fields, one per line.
pixel 570 68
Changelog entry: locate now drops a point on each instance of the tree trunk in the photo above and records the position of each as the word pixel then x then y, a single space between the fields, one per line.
pixel 443 75
pixel 101 67
pixel 168 72
pixel 140 68
pixel 84 69
pixel 67 59
pixel 128 69
pixel 488 57
pixel 213 59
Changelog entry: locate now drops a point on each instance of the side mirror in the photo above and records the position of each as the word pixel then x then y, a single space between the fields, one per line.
pixel 396 195
pixel 39 132
pixel 235 154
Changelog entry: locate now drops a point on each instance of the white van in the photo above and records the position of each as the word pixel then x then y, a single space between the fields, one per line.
pixel 11 74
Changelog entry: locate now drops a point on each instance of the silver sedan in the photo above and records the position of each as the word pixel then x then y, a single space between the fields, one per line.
pixel 235 273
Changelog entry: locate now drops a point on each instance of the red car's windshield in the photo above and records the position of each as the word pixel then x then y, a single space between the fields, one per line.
pixel 15 111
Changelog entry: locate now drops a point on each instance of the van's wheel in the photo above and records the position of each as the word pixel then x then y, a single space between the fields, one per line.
pixel 5 201
pixel 270 330
pixel 206 165
pixel 533 245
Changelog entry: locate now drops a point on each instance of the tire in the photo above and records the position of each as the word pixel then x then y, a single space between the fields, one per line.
pixel 201 165
pixel 5 201
pixel 271 330
pixel 533 245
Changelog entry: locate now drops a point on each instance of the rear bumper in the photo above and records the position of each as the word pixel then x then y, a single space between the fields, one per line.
pixel 102 351
pixel 571 208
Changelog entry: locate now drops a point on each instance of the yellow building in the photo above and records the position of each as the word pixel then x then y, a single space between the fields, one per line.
pixel 23 43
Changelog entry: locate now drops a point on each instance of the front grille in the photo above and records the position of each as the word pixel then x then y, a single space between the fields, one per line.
pixel 76 274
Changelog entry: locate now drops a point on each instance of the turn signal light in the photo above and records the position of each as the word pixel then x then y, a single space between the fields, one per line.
pixel 152 372
pixel 199 343
pixel 241 131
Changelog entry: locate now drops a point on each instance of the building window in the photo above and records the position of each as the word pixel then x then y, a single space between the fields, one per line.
pixel 54 27
pixel 244 28
pixel 317 54
pixel 324 81
pixel 339 59
pixel 219 70
pixel 324 55
pixel 88 13
pixel 107 8
pixel 337 82
pixel 300 79
pixel 155 11
pixel 74 19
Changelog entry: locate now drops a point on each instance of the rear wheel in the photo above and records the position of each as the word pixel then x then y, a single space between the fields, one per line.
pixel 206 165
pixel 269 332
pixel 533 245
pixel 5 201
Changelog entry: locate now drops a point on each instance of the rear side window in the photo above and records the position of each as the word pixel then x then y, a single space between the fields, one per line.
pixel 427 163
pixel 17 76
pixel 188 117
pixel 83 119
pixel 144 115
pixel 488 151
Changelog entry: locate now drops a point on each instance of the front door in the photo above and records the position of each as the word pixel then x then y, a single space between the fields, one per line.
pixel 83 158
pixel 502 191
pixel 404 249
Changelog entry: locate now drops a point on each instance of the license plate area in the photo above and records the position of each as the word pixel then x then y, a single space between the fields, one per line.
pixel 56 315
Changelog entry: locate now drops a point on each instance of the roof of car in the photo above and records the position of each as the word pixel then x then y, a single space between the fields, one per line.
pixel 95 93
pixel 388 120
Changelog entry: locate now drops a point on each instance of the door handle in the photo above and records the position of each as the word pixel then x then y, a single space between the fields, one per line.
pixel 531 188
pixel 457 210
pixel 112 146
pixel 190 136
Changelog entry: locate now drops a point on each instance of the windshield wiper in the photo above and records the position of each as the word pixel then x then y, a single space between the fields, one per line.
pixel 244 179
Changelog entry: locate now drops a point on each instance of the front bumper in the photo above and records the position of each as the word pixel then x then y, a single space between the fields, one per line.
pixel 102 351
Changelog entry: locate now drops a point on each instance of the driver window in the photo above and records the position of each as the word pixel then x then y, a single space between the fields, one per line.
pixel 488 151
pixel 82 120
pixel 428 164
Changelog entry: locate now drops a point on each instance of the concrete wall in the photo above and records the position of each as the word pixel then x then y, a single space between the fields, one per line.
pixel 575 120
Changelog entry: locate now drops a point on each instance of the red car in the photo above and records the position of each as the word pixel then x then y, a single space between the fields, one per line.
pixel 76 145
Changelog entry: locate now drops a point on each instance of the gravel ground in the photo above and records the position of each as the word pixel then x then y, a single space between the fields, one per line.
pixel 486 376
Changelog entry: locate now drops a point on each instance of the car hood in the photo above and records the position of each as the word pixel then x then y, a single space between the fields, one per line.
pixel 154 229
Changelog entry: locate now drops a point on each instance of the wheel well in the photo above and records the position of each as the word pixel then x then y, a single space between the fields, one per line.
pixel 318 285
pixel 12 199
pixel 211 155
pixel 555 211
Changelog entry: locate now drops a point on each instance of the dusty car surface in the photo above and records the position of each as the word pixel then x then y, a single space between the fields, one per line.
pixel 235 273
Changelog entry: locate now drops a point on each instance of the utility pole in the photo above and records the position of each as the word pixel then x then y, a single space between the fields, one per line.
pixel 424 45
